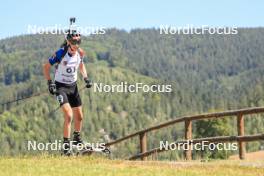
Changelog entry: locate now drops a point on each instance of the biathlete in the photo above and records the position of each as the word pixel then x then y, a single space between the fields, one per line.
pixel 68 60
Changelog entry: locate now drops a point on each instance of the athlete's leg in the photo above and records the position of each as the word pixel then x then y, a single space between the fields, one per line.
pixel 62 97
pixel 78 118
pixel 76 104
pixel 67 111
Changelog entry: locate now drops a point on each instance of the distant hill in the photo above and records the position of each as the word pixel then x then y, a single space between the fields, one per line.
pixel 207 73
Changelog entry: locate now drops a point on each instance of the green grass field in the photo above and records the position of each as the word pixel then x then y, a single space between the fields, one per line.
pixel 86 166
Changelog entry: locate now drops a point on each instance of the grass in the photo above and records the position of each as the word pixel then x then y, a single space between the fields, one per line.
pixel 91 166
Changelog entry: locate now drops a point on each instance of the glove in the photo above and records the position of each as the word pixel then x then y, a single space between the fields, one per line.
pixel 52 87
pixel 88 82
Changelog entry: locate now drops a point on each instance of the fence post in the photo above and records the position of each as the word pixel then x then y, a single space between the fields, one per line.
pixel 143 144
pixel 188 136
pixel 241 132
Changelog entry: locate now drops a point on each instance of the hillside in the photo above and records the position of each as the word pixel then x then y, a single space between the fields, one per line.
pixel 207 73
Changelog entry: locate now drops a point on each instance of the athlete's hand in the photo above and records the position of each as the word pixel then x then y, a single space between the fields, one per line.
pixel 52 87
pixel 88 82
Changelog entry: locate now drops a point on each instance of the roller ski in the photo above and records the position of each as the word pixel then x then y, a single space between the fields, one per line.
pixel 78 148
pixel 89 150
pixel 84 150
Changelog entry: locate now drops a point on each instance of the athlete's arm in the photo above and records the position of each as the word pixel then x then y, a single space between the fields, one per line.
pixel 56 58
pixel 84 74
pixel 46 70
pixel 83 70
pixel 82 66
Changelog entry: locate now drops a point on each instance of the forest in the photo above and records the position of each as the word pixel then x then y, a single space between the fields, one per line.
pixel 208 73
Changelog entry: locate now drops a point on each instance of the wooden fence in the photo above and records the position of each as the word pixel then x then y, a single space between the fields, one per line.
pixel 187 120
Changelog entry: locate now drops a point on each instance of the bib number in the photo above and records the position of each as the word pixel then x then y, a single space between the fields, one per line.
pixel 71 70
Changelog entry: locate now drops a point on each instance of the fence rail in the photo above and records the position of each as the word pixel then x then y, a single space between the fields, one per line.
pixel 241 139
pixel 194 141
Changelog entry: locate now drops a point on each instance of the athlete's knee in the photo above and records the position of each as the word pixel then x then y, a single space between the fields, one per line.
pixel 67 111
pixel 67 116
pixel 67 119
pixel 79 115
